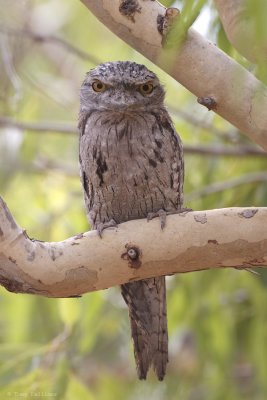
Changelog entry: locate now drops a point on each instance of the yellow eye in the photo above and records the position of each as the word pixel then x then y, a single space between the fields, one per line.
pixel 146 88
pixel 98 86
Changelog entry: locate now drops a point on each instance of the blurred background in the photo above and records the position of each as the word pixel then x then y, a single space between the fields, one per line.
pixel 81 348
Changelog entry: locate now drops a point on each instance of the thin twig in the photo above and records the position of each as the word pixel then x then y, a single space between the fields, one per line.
pixel 68 128
pixel 253 177
pixel 10 68
pixel 240 151
pixel 52 39
pixel 44 126
pixel 231 135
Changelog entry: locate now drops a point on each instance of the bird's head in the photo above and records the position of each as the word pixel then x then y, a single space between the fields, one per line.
pixel 121 86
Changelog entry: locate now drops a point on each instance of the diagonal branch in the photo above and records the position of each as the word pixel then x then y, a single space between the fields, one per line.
pixel 242 29
pixel 198 64
pixel 69 47
pixel 191 241
pixel 252 177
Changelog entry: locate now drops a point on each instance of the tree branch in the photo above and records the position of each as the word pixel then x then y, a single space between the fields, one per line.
pixel 253 177
pixel 63 127
pixel 229 135
pixel 43 126
pixel 239 151
pixel 241 28
pixel 191 241
pixel 47 126
pixel 50 39
pixel 198 64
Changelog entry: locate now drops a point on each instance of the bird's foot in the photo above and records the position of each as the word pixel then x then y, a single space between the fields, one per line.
pixel 162 214
pixel 104 225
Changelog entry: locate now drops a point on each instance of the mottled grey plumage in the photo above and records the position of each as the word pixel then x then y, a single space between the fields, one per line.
pixel 131 167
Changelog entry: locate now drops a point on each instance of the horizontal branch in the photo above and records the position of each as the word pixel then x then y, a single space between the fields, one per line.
pixel 41 126
pixel 198 64
pixel 63 127
pixel 135 250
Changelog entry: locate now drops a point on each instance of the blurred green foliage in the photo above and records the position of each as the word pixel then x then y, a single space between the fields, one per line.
pixel 80 348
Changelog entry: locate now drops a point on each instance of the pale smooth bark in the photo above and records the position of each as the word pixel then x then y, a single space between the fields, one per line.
pixel 241 29
pixel 198 64
pixel 191 241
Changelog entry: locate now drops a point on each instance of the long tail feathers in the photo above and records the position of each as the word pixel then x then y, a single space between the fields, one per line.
pixel 146 301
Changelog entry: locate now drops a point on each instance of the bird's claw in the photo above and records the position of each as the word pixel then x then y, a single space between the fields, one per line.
pixel 104 225
pixel 162 214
